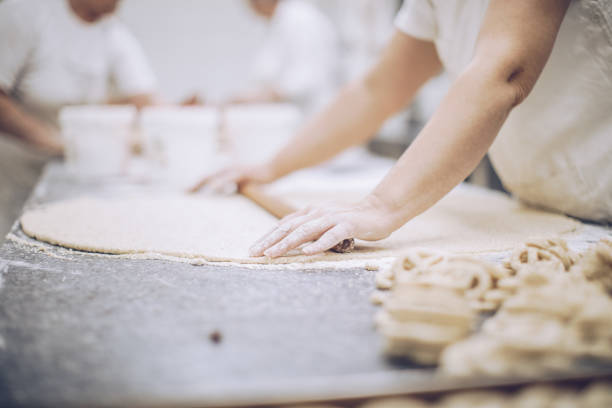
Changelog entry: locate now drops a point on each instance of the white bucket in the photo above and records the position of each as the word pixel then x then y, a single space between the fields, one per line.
pixel 96 138
pixel 181 140
pixel 257 132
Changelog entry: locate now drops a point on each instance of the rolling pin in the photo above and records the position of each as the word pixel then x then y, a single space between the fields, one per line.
pixel 279 209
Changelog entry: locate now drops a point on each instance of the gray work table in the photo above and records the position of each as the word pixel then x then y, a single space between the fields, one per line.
pixel 82 329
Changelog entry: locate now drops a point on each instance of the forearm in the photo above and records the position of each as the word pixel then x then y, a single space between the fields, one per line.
pixel 18 123
pixel 351 119
pixel 449 147
pixel 508 60
pixel 514 43
pixel 362 107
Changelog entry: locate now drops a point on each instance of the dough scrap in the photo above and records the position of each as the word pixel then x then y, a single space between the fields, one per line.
pixel 553 252
pixel 420 320
pixel 555 318
pixel 596 264
pixel 476 279
pixel 550 314
pixel 467 220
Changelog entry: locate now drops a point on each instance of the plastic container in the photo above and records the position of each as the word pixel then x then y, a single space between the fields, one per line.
pixel 257 132
pixel 97 138
pixel 183 141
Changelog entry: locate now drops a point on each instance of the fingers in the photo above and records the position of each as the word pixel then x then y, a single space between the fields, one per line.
pixel 267 241
pixel 200 184
pixel 51 150
pixel 328 240
pixel 277 233
pixel 304 233
pixel 296 214
pixel 230 178
pixel 223 181
pixel 47 144
pixel 224 184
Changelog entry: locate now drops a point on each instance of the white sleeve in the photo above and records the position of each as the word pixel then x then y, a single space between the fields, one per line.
pixel 131 73
pixel 417 19
pixel 18 37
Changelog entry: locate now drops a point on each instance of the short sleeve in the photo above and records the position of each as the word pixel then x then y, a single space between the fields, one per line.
pixel 131 73
pixel 417 19
pixel 17 41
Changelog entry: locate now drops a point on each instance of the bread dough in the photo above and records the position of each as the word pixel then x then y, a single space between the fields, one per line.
pixel 555 319
pixel 474 278
pixel 217 228
pixel 214 228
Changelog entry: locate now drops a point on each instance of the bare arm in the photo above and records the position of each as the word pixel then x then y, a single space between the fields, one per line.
pixel 514 44
pixel 352 118
pixel 14 121
pixel 362 107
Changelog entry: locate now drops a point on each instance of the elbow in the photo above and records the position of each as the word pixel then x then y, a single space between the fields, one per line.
pixel 519 83
pixel 509 82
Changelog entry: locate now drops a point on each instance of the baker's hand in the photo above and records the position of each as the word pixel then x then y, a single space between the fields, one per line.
pixel 326 226
pixel 227 179
pixel 46 142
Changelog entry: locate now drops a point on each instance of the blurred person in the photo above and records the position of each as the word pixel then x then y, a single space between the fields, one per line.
pixel 298 61
pixel 365 27
pixel 57 53
pixel 531 84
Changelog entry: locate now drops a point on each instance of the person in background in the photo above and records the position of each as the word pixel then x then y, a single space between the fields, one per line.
pixel 532 82
pixel 365 27
pixel 298 61
pixel 57 53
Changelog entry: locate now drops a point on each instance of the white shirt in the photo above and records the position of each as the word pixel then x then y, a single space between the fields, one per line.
pixel 555 149
pixel 365 29
pixel 300 56
pixel 51 58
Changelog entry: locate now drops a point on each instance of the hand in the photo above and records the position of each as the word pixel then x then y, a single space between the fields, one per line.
pixel 193 100
pixel 369 220
pixel 228 179
pixel 47 143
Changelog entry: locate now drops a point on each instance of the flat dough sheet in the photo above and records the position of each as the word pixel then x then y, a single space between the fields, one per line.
pixel 467 220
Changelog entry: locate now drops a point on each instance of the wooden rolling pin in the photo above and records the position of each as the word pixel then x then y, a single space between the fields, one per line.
pixel 278 208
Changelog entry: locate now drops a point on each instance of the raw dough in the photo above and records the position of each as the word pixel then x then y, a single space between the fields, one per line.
pixel 467 220
pixel 214 228
pixel 553 320
pixel 474 278
pixel 419 321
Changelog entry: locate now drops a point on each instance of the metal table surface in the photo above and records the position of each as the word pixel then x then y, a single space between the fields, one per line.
pixel 82 329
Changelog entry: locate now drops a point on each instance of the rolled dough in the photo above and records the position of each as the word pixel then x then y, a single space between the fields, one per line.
pixel 467 220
